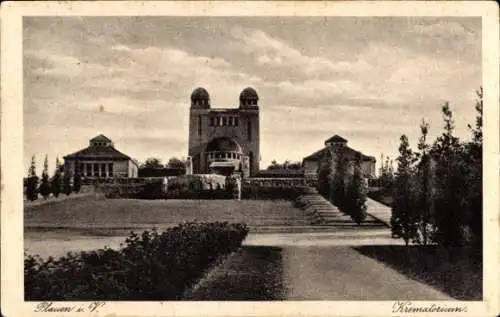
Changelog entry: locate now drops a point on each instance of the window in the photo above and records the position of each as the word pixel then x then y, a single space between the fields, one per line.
pixel 96 170
pixel 199 125
pixel 236 121
pixel 212 120
pixel 224 121
pixel 230 121
pixel 89 169
pixel 249 130
pixel 110 169
pixel 103 170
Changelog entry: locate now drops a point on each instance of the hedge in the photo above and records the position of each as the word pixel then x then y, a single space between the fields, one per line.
pixel 150 266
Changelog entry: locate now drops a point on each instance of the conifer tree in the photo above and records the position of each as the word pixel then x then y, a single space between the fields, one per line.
pixel 32 182
pixel 338 184
pixel 56 179
pixel 45 183
pixel 356 196
pixel 67 183
pixel 325 170
pixel 77 179
pixel 404 216
pixel 424 198
pixel 449 184
pixel 475 177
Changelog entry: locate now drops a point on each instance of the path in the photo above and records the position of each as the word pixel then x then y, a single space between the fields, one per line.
pixel 314 262
pixel 341 273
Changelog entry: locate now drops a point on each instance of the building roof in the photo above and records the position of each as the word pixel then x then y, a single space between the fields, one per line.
pixel 336 138
pixel 316 155
pixel 100 138
pixel 200 93
pixel 98 152
pixel 349 152
pixel 249 93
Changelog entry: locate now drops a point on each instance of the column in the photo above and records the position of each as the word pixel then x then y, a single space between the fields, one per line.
pixel 106 169
pixel 84 170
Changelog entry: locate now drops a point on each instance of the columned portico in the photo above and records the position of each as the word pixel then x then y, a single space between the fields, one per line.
pixel 100 160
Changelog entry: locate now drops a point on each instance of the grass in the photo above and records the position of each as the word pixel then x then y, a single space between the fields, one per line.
pixel 382 196
pixel 254 273
pixel 130 213
pixel 455 271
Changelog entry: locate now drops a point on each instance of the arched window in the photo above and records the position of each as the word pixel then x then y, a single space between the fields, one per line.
pixel 199 125
pixel 249 130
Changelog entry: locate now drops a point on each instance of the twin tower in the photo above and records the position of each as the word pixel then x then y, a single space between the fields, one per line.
pixel 224 140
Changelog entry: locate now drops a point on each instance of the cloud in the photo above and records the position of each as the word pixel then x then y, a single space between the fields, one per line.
pixel 446 29
pixel 274 52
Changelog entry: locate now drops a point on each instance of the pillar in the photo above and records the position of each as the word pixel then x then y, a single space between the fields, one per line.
pixel 189 165
pixel 246 166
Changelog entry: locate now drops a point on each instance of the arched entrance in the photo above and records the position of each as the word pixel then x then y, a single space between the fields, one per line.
pixel 223 156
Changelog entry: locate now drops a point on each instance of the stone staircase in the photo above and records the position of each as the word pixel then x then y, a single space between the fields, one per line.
pixel 324 214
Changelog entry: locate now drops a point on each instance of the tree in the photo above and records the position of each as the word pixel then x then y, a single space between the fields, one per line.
pixel 56 179
pixel 324 172
pixel 152 162
pixel 176 163
pixel 356 196
pixel 337 179
pixel 474 180
pixel 67 183
pixel 386 173
pixel 404 216
pixel 449 185
pixel 287 164
pixel 32 182
pixel 424 178
pixel 77 179
pixel 45 184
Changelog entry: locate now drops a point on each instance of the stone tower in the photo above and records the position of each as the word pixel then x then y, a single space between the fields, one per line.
pixel 221 139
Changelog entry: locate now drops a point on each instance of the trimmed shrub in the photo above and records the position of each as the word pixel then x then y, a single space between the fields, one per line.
pixel 356 198
pixel 67 184
pixel 151 266
pixel 77 182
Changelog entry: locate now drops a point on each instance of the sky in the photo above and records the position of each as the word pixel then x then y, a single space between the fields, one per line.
pixel 367 79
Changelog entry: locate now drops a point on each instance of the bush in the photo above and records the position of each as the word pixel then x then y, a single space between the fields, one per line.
pixel 151 266
pixel 356 198
pixel 77 182
pixel 32 188
pixel 67 184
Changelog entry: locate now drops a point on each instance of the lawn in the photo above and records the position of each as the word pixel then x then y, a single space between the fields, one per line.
pixel 95 213
pixel 90 223
pixel 254 273
pixel 455 271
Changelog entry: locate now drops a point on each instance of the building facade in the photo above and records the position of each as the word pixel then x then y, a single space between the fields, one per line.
pixel 226 140
pixel 334 147
pixel 100 160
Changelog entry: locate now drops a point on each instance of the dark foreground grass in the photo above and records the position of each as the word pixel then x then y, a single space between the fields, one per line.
pixel 254 273
pixel 455 271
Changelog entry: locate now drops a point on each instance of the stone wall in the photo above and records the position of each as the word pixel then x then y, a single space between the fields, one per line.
pixel 272 188
pixel 197 186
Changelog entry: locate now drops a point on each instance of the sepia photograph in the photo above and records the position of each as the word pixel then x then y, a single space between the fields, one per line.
pixel 278 157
